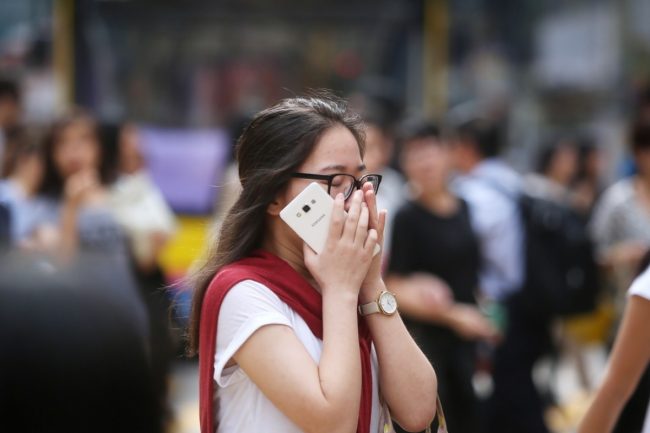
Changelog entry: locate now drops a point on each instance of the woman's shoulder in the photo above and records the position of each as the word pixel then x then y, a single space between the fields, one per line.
pixel 250 298
pixel 251 290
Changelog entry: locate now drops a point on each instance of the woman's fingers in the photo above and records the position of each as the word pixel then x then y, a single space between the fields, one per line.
pixel 352 220
pixel 371 200
pixel 338 219
pixel 371 241
pixel 362 227
pixel 383 214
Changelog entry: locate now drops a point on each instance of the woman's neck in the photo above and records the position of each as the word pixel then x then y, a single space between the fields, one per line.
pixel 289 253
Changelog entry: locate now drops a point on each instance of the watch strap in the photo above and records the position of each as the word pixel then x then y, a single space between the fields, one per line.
pixel 369 308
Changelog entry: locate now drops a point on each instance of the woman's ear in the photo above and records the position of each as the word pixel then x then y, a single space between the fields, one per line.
pixel 275 206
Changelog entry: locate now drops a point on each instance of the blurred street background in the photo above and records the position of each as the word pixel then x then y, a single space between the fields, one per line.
pixel 164 87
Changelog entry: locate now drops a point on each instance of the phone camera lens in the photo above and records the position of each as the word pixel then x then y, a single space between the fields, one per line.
pixel 306 208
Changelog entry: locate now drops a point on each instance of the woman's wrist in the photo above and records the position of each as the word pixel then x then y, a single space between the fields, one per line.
pixel 370 290
pixel 340 296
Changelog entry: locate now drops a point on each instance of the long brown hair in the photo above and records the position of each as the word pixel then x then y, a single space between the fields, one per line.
pixel 275 143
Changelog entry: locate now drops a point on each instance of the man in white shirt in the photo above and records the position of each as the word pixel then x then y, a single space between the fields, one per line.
pixel 492 190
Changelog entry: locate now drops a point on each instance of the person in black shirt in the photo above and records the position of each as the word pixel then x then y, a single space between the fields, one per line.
pixel 433 268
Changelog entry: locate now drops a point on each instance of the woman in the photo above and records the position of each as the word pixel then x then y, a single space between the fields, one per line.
pixel 278 326
pixel 629 360
pixel 138 204
pixel 621 220
pixel 142 213
pixel 556 167
pixel 75 192
pixel 74 217
pixel 433 268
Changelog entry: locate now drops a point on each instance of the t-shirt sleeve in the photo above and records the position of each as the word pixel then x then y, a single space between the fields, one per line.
pixel 247 307
pixel 403 254
pixel 641 286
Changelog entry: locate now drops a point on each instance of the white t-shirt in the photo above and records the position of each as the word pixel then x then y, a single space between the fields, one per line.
pixel 641 287
pixel 248 306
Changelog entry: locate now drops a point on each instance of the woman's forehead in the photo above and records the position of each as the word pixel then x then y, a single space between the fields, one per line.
pixel 336 150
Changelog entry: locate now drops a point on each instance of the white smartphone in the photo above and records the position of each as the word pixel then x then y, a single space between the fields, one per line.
pixel 309 215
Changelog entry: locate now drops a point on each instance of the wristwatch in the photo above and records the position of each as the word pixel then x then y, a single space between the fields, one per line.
pixel 385 304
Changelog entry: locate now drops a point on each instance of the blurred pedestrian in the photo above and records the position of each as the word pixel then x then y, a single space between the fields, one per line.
pixel 148 222
pixel 22 176
pixel 550 186
pixel 491 188
pixel 621 220
pixel 380 146
pixel 10 111
pixel 493 191
pixel 283 345
pixel 138 204
pixel 73 353
pixel 75 192
pixel 587 186
pixel 433 269
pixel 557 166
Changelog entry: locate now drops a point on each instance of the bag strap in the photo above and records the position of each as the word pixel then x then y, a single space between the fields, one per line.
pixel 386 424
pixel 442 422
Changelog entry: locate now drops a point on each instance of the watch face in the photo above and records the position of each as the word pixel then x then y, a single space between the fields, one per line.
pixel 388 303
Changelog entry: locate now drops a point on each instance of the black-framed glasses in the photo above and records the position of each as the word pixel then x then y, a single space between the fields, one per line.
pixel 343 183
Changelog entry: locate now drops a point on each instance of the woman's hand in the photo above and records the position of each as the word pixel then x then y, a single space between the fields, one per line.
pixel 377 221
pixel 79 187
pixel 347 256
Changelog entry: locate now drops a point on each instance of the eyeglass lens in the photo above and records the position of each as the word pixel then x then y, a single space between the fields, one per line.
pixel 345 184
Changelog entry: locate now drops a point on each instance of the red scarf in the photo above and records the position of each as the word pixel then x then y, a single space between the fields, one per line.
pixel 297 293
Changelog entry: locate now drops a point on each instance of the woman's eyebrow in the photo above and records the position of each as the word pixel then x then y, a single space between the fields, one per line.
pixel 341 168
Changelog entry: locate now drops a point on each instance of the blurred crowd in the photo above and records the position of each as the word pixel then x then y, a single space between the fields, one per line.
pixel 494 269
pixel 79 212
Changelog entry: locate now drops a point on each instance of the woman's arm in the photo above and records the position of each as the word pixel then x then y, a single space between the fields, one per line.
pixel 321 397
pixel 629 358
pixel 407 380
